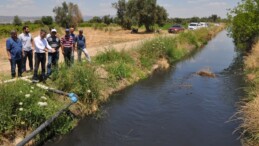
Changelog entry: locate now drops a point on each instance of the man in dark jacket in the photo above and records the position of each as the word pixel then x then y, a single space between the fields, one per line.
pixel 53 58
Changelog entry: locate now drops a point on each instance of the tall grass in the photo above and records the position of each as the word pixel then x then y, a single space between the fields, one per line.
pixel 249 111
pixel 20 109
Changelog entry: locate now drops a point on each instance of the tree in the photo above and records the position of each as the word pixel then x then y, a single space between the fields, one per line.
pixel 140 12
pixel 107 19
pixel 68 15
pixel 17 21
pixel 244 23
pixel 214 18
pixel 47 20
pixel 96 19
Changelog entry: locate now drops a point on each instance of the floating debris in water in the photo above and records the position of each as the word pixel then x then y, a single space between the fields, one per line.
pixel 206 73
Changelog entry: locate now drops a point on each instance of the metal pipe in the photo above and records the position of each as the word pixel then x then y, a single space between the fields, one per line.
pixel 42 126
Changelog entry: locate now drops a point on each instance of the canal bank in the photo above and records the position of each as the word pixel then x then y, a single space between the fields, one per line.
pixel 248 112
pixel 173 107
pixel 110 72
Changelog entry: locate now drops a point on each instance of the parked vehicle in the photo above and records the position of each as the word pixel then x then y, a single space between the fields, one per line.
pixel 203 24
pixel 176 28
pixel 193 26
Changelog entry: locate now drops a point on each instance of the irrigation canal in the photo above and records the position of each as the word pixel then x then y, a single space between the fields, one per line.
pixel 172 108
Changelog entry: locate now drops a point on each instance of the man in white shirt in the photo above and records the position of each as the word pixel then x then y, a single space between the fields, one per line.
pixel 41 48
pixel 27 45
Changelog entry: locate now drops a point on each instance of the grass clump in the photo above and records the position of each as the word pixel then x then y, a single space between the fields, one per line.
pixel 79 79
pixel 111 55
pixel 20 109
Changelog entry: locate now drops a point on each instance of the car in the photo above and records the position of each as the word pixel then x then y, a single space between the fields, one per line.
pixel 176 28
pixel 193 26
pixel 203 24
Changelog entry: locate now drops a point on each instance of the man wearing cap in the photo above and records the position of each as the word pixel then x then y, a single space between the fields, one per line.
pixel 53 58
pixel 27 44
pixel 81 46
pixel 15 52
pixel 41 47
pixel 67 46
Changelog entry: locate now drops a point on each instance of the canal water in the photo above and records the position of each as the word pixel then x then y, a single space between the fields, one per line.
pixel 172 108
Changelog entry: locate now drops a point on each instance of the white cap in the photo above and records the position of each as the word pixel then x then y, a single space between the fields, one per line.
pixel 53 30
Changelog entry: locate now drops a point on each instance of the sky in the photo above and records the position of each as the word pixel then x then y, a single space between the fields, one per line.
pixel 175 8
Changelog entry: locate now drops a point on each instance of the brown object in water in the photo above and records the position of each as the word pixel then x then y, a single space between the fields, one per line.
pixel 206 73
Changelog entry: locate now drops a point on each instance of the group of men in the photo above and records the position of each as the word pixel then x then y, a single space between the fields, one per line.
pixel 23 47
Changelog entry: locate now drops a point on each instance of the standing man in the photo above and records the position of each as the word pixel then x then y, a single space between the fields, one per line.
pixel 53 58
pixel 41 47
pixel 81 46
pixel 72 30
pixel 27 42
pixel 67 46
pixel 15 53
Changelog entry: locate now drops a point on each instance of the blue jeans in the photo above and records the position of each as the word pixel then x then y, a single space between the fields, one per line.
pixel 52 61
pixel 13 63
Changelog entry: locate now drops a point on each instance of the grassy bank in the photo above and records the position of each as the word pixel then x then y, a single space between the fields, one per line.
pixel 249 112
pixel 109 72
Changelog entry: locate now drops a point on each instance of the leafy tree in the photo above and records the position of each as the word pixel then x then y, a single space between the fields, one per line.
pixel 47 20
pixel 214 18
pixel 140 12
pixel 68 15
pixel 244 23
pixel 96 19
pixel 107 19
pixel 17 21
pixel 38 22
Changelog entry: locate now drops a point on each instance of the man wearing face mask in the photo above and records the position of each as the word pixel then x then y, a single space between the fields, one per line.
pixel 27 44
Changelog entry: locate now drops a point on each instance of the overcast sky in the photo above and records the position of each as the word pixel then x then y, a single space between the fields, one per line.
pixel 175 8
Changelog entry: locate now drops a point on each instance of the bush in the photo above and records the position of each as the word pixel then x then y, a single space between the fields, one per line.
pixel 20 110
pixel 79 79
pixel 111 56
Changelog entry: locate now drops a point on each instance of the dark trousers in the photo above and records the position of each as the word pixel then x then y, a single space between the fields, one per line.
pixel 29 55
pixel 15 62
pixel 68 56
pixel 52 62
pixel 40 58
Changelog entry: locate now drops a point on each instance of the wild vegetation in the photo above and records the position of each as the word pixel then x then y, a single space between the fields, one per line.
pixel 244 28
pixel 244 23
pixel 110 71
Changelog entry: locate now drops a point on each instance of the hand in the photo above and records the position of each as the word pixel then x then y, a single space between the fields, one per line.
pixel 53 50
pixel 9 58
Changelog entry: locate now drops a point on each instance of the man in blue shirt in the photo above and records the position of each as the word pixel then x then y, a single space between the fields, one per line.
pixel 15 53
pixel 81 46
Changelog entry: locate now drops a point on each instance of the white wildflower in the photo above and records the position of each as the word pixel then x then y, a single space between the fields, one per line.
pixel 22 123
pixel 20 103
pixel 43 97
pixel 31 91
pixel 88 91
pixel 20 109
pixel 20 91
pixel 42 104
pixel 27 95
pixel 32 88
